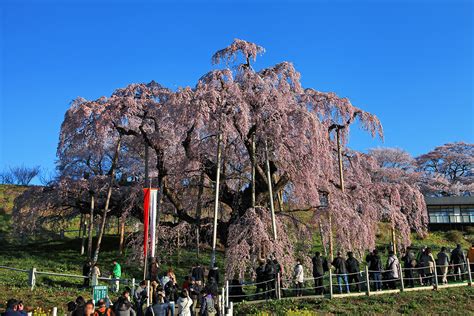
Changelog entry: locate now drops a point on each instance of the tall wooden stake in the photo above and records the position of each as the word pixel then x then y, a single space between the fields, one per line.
pixel 91 225
pixel 83 237
pixel 216 200
pixel 122 234
pixel 198 211
pixel 339 155
pixel 331 248
pixel 394 240
pixel 270 193
pixel 253 170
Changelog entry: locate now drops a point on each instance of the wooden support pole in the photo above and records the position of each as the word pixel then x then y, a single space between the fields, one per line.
pixel 216 200
pixel 339 155
pixel 270 193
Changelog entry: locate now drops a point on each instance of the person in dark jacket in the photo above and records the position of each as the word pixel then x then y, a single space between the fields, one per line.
pixel 236 292
pixel 339 265
pixel 213 273
pixel 198 274
pixel 123 307
pixel 319 264
pixel 278 272
pixel 12 308
pixel 159 309
pixel 171 292
pixel 80 305
pixel 458 260
pixel 409 263
pixel 269 278
pixel 353 270
pixel 260 278
pixel 86 272
pixel 375 269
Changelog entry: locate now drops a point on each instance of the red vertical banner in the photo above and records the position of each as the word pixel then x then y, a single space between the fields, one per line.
pixel 146 208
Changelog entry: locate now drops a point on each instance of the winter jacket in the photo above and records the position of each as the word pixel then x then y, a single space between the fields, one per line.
pixel 160 309
pixel 171 291
pixel 470 255
pixel 260 273
pixel 375 264
pixel 457 256
pixel 409 260
pixel 198 273
pixel 318 266
pixel 184 306
pixel 393 266
pixel 443 259
pixel 352 265
pixel 124 308
pixel 298 273
pixel 117 271
pixel 340 265
pixel 213 273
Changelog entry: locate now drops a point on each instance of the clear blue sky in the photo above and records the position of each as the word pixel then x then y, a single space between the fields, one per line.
pixel 409 62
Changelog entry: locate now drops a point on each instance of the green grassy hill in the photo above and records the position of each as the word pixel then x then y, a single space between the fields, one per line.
pixel 63 256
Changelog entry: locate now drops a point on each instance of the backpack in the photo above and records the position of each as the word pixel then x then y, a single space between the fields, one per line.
pixel 210 309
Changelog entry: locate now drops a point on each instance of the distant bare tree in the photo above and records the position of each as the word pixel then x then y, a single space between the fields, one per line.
pixel 19 175
pixel 6 177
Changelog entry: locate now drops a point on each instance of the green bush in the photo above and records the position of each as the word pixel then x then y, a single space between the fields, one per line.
pixel 455 236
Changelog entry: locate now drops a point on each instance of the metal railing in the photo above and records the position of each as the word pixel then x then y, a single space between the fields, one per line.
pixel 33 273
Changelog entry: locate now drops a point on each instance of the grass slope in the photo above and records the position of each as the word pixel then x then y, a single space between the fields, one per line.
pixel 450 301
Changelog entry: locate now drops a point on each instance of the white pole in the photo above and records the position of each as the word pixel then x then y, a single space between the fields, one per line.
pixel 367 280
pixel 401 278
pixel 469 271
pixel 330 284
pixel 216 200
pixel 153 202
pixel 270 193
pixel 55 311
pixel 227 293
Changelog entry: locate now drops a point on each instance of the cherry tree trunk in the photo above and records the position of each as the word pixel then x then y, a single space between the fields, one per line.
pixel 107 201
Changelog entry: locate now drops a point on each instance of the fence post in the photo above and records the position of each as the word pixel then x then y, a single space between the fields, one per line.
pixel 227 293
pixel 133 287
pixel 222 301
pixel 402 284
pixel 55 311
pixel 436 276
pixel 469 271
pixel 367 280
pixel 278 286
pixel 330 284
pixel 32 278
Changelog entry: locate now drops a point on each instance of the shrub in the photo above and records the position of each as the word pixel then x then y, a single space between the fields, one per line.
pixel 455 236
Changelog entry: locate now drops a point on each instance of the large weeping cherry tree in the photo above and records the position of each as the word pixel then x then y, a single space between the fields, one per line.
pixel 253 130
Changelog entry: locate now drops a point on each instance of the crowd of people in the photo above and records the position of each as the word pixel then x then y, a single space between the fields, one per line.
pixel 162 295
pixel 418 268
